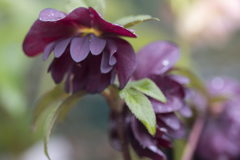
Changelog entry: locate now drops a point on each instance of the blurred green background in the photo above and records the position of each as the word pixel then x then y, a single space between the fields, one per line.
pixel 83 135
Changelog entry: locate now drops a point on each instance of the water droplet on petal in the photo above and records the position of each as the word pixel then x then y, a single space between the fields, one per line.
pixel 217 83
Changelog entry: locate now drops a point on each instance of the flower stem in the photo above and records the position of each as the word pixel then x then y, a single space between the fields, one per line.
pixel 116 104
pixel 193 138
pixel 121 134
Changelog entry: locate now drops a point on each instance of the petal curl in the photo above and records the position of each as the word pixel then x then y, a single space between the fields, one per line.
pixel 112 47
pixel 108 28
pixel 126 61
pixel 105 67
pixel 162 55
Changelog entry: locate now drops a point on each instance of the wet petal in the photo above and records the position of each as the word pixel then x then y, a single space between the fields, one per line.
pixel 50 14
pixel 108 28
pixel 126 61
pixel 112 47
pixel 48 49
pixel 79 48
pixel 97 45
pixel 162 55
pixel 42 33
pixel 105 67
pixel 61 47
pixel 170 120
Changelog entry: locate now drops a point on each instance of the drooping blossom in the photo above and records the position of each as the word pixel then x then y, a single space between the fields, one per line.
pixel 220 137
pixel 154 62
pixel 87 49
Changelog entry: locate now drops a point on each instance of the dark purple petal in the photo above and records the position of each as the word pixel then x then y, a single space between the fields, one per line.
pixel 185 111
pixel 168 86
pixel 48 49
pixel 59 67
pixel 104 82
pixel 61 47
pixel 179 79
pixel 113 75
pixel 162 55
pixel 42 33
pixel 151 152
pixel 108 28
pixel 105 67
pixel 94 73
pixel 170 120
pixel 126 61
pixel 179 133
pixel 79 48
pixel 165 142
pixel 112 47
pixel 77 77
pixel 173 104
pixel 97 45
pixel 50 14
pixel 140 133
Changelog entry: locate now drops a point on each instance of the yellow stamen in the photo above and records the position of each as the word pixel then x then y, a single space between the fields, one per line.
pixel 90 30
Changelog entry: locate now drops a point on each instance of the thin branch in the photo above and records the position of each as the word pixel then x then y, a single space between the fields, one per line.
pixel 193 138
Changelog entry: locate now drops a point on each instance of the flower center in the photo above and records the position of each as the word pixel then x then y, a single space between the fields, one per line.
pixel 90 30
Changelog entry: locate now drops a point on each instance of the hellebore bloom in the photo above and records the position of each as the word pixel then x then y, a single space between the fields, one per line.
pixel 154 62
pixel 220 138
pixel 86 48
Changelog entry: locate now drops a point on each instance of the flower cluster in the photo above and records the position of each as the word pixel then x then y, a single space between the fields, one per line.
pixel 86 48
pixel 162 56
pixel 220 137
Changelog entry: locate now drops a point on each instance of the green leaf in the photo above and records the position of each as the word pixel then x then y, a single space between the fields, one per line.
pixel 56 112
pixel 47 101
pixel 98 5
pixel 149 88
pixel 130 21
pixel 141 107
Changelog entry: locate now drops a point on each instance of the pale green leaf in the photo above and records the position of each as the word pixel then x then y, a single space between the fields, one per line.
pixel 130 21
pixel 141 107
pixel 98 5
pixel 56 112
pixel 47 101
pixel 149 88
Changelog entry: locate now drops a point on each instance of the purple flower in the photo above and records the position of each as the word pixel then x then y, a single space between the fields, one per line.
pixel 154 62
pixel 220 137
pixel 86 48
